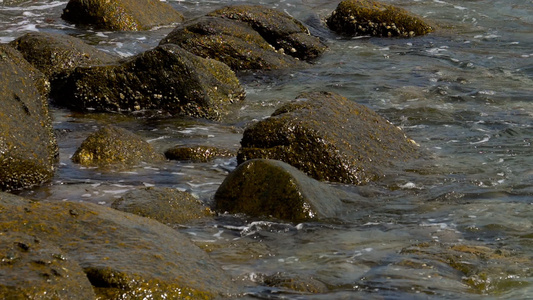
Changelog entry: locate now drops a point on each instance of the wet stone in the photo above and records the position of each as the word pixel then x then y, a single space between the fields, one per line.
pixel 197 153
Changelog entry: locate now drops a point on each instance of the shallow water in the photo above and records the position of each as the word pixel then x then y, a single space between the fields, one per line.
pixel 464 93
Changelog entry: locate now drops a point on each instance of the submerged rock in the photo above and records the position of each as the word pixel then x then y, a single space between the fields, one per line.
pixel 301 284
pixel 369 17
pixel 28 146
pixel 54 53
pixel 248 37
pixel 126 15
pixel 114 146
pixel 166 78
pixel 330 138
pixel 124 256
pixel 197 153
pixel 273 188
pixel 168 206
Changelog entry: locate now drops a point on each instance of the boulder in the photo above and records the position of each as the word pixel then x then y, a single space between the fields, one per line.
pixel 166 78
pixel 28 146
pixel 121 15
pixel 272 188
pixel 114 146
pixel 54 53
pixel 330 138
pixel 373 18
pixel 197 153
pixel 33 268
pixel 124 256
pixel 168 206
pixel 249 37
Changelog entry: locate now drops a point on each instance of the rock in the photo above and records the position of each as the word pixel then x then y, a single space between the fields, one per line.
pixel 368 17
pixel 124 256
pixel 166 78
pixel 54 53
pixel 168 206
pixel 114 146
pixel 32 268
pixel 28 146
pixel 301 284
pixel 249 37
pixel 121 15
pixel 197 153
pixel 330 138
pixel 273 188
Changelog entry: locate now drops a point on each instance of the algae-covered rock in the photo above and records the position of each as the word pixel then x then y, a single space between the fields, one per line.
pixel 33 268
pixel 114 146
pixel 28 146
pixel 273 188
pixel 197 153
pixel 301 284
pixel 369 17
pixel 168 206
pixel 124 15
pixel 54 53
pixel 330 138
pixel 124 256
pixel 167 79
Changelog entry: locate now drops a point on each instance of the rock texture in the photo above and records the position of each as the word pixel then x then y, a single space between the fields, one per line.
pixel 114 146
pixel 121 15
pixel 373 18
pixel 28 146
pixel 273 188
pixel 330 138
pixel 54 53
pixel 167 79
pixel 168 206
pixel 123 256
pixel 197 153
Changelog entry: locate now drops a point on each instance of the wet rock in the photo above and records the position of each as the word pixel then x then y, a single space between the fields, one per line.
pixel 121 15
pixel 32 268
pixel 273 188
pixel 368 17
pixel 167 79
pixel 330 138
pixel 301 284
pixel 197 153
pixel 124 256
pixel 28 146
pixel 54 53
pixel 168 206
pixel 249 37
pixel 114 146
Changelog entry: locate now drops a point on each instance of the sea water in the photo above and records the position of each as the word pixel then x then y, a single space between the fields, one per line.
pixel 464 93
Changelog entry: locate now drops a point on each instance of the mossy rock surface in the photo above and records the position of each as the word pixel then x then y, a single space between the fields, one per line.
pixel 28 146
pixel 197 153
pixel 114 146
pixel 168 206
pixel 123 255
pixel 33 268
pixel 121 15
pixel 167 79
pixel 373 18
pixel 330 138
pixel 271 188
pixel 53 53
pixel 295 283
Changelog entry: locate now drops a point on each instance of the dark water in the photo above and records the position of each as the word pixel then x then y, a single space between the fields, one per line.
pixel 464 93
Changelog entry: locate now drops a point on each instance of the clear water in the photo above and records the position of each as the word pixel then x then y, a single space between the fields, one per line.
pixel 464 93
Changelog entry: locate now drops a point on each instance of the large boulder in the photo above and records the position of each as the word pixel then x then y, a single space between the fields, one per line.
pixel 28 146
pixel 330 138
pixel 166 78
pixel 114 146
pixel 168 206
pixel 271 188
pixel 54 53
pixel 369 17
pixel 248 37
pixel 123 15
pixel 124 256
